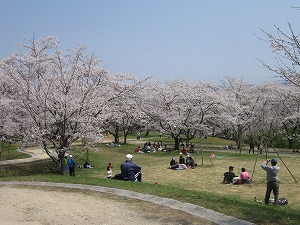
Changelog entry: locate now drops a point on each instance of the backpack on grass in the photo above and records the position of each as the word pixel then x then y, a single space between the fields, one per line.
pixel 282 201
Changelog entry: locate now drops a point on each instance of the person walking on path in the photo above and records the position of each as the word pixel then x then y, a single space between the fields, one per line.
pixel 272 179
pixel 138 136
pixel 71 165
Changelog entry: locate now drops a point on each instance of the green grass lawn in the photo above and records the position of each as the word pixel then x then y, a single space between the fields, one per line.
pixel 201 186
pixel 9 152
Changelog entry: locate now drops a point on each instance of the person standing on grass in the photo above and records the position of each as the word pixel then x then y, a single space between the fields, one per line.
pixel 272 179
pixel 71 165
pixel 183 150
pixel 109 171
pixel 66 163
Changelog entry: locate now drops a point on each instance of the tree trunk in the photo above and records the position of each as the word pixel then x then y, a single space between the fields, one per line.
pixel 125 133
pixel 240 141
pixel 62 165
pixel 147 133
pixel 290 143
pixel 116 135
pixel 177 142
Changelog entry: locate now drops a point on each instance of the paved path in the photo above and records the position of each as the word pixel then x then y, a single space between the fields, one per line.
pixel 210 215
pixel 36 153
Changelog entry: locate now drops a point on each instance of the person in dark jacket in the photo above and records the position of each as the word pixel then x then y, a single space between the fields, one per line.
pixel 190 163
pixel 228 176
pixel 130 170
pixel 172 162
pixel 71 165
pixel 181 159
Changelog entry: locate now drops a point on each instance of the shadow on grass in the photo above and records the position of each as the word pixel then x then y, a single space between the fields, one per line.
pixel 27 169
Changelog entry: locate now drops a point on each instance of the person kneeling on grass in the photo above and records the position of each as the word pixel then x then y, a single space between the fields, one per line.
pixel 129 170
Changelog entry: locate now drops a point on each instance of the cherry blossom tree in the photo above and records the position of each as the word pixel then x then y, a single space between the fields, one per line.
pixel 124 116
pixel 179 108
pixel 286 104
pixel 239 104
pixel 286 48
pixel 267 120
pixel 60 96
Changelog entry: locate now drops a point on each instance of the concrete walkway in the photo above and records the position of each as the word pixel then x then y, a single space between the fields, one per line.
pixel 210 215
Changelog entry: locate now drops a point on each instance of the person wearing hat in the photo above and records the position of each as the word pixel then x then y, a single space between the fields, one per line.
pixel 130 170
pixel 272 179
pixel 71 165
pixel 229 175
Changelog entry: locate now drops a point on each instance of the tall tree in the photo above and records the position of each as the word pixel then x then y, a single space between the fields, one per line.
pixel 60 96
pixel 239 102
pixel 286 47
pixel 179 108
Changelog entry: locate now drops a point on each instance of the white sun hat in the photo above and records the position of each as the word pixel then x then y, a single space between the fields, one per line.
pixel 129 156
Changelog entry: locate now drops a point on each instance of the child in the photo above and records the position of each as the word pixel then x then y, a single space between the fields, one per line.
pixel 109 171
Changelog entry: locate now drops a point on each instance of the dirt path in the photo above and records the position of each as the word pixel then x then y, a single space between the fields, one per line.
pixel 50 205
pixel 43 205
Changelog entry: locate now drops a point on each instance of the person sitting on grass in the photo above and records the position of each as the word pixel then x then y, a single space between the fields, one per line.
pixel 87 165
pixel 129 170
pixel 245 177
pixel 172 162
pixel 138 149
pixel 178 167
pixel 190 163
pixel 181 159
pixel 229 175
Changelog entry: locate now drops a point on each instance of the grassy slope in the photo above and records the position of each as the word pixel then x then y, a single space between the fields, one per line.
pixel 9 152
pixel 201 186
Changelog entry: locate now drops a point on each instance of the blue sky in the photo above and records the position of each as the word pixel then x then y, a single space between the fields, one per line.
pixel 165 39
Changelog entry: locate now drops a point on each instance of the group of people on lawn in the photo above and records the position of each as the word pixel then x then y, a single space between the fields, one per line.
pixel 184 163
pixel 231 178
pixel 272 179
pixel 130 171
pixel 149 147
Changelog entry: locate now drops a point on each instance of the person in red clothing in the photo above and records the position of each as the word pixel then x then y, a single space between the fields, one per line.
pixel 138 149
pixel 183 150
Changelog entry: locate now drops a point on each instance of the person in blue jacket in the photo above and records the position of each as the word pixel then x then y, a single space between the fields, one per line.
pixel 71 165
pixel 130 170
